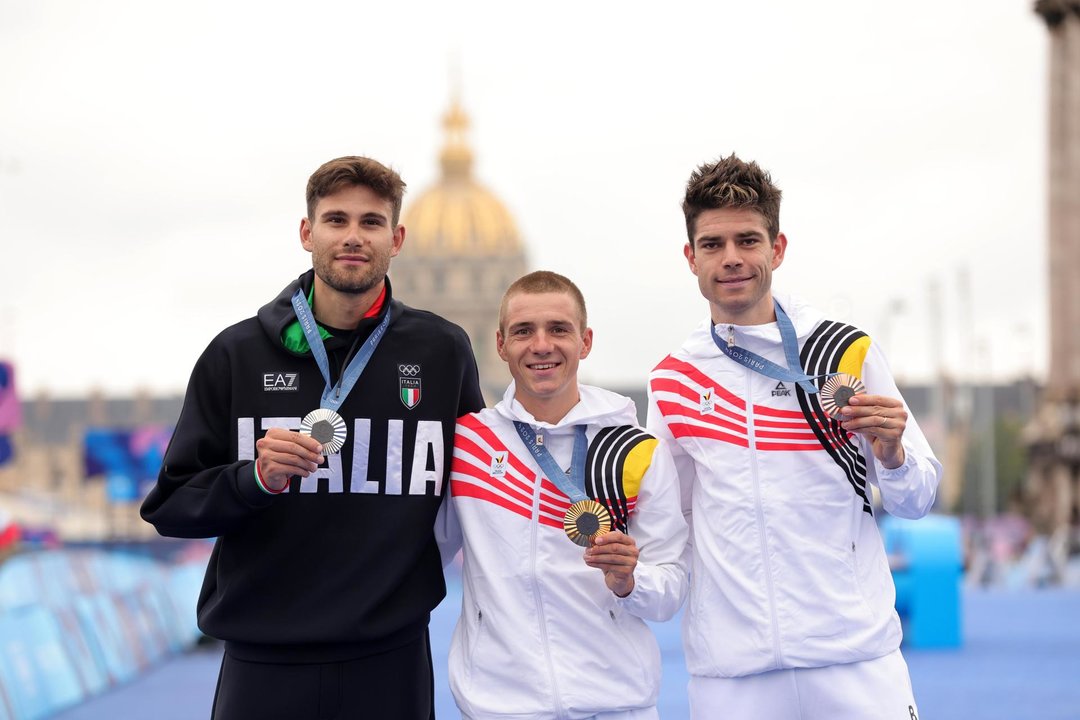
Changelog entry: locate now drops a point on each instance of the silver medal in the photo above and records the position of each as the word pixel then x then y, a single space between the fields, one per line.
pixel 327 427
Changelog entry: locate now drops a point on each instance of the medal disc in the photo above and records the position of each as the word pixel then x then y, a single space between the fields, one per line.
pixel 837 390
pixel 327 427
pixel 586 519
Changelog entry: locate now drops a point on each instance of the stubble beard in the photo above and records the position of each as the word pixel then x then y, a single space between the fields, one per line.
pixel 358 283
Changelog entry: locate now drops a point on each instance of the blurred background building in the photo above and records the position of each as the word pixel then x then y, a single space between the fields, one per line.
pixel 462 251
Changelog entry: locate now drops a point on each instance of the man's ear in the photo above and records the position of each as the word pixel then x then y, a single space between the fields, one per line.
pixel 500 345
pixel 305 234
pixel 586 343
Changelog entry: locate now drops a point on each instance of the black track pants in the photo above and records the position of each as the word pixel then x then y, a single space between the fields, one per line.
pixel 394 685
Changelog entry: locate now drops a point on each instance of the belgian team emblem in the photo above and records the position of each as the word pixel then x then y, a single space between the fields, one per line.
pixel 409 385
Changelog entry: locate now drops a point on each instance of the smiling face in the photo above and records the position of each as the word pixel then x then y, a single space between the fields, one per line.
pixel 351 238
pixel 733 260
pixel 542 341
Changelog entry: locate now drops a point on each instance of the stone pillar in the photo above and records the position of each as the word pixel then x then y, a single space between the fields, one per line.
pixel 1063 22
pixel 1054 440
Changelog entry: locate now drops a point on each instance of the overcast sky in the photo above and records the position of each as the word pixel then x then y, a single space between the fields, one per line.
pixel 153 158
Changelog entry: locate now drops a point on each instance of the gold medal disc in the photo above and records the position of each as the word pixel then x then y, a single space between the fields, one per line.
pixel 837 390
pixel 586 519
pixel 327 427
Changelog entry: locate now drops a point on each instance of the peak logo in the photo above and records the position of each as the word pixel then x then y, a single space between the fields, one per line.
pixel 281 382
pixel 781 390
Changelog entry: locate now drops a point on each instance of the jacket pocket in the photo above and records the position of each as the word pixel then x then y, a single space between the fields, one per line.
pixel 475 636
pixel 628 629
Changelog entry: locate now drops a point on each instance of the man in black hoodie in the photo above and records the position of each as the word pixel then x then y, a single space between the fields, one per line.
pixel 314 443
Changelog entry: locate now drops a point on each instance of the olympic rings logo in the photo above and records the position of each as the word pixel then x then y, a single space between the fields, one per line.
pixel 409 370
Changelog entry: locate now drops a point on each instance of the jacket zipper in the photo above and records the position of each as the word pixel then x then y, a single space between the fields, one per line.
pixel 533 542
pixel 758 506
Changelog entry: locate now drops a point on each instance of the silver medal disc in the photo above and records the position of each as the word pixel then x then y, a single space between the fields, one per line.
pixel 327 427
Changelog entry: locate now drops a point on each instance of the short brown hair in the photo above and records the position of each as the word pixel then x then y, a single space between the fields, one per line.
pixel 353 170
pixel 732 183
pixel 544 281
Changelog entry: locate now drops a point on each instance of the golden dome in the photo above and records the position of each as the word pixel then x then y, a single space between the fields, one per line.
pixel 457 216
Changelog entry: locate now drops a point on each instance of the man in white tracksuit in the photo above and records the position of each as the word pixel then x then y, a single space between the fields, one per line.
pixel 549 628
pixel 780 421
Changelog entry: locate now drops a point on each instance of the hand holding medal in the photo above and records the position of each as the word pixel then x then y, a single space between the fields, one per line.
pixel 879 417
pixel 283 454
pixel 616 554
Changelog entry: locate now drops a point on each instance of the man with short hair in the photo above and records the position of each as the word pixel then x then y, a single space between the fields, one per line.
pixel 314 443
pixel 557 466
pixel 780 421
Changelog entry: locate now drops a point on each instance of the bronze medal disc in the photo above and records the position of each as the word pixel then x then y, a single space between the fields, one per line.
pixel 586 519
pixel 837 390
pixel 327 427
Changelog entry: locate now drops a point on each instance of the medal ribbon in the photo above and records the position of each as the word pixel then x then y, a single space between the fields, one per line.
pixel 334 395
pixel 572 483
pixel 768 368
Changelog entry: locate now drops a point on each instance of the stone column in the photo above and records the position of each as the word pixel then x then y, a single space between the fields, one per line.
pixel 1059 438
pixel 1063 22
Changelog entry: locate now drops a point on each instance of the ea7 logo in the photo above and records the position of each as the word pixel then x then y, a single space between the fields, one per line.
pixel 281 382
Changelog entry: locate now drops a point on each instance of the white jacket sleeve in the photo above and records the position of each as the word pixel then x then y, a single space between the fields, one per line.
pixel 909 490
pixel 660 531
pixel 685 467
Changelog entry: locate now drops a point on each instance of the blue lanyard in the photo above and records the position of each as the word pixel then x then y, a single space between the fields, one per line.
pixel 334 395
pixel 572 483
pixel 768 368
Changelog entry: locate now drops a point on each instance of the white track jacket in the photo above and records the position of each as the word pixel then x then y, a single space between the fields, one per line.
pixel 540 635
pixel 788 565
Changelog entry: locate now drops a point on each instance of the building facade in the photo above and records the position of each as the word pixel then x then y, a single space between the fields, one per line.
pixel 463 250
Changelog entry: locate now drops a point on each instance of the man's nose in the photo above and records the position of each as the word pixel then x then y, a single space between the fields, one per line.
pixel 731 256
pixel 354 236
pixel 541 343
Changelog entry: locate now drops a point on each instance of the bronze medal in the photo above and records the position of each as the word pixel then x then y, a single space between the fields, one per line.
pixel 837 391
pixel 586 519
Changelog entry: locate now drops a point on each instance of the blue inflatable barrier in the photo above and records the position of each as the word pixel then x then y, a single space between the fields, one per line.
pixel 73 623
pixel 927 567
pixel 34 666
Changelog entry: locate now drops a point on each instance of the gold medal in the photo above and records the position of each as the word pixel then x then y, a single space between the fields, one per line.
pixel 837 391
pixel 327 427
pixel 586 519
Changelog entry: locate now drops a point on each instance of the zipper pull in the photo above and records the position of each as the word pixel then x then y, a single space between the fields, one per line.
pixel 731 336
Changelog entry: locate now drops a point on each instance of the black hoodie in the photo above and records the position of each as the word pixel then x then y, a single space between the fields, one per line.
pixel 344 564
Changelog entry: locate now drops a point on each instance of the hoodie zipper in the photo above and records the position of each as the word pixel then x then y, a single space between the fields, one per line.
pixel 533 545
pixel 759 508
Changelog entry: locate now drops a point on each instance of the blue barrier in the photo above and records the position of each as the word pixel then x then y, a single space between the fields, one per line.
pixel 73 623
pixel 927 568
